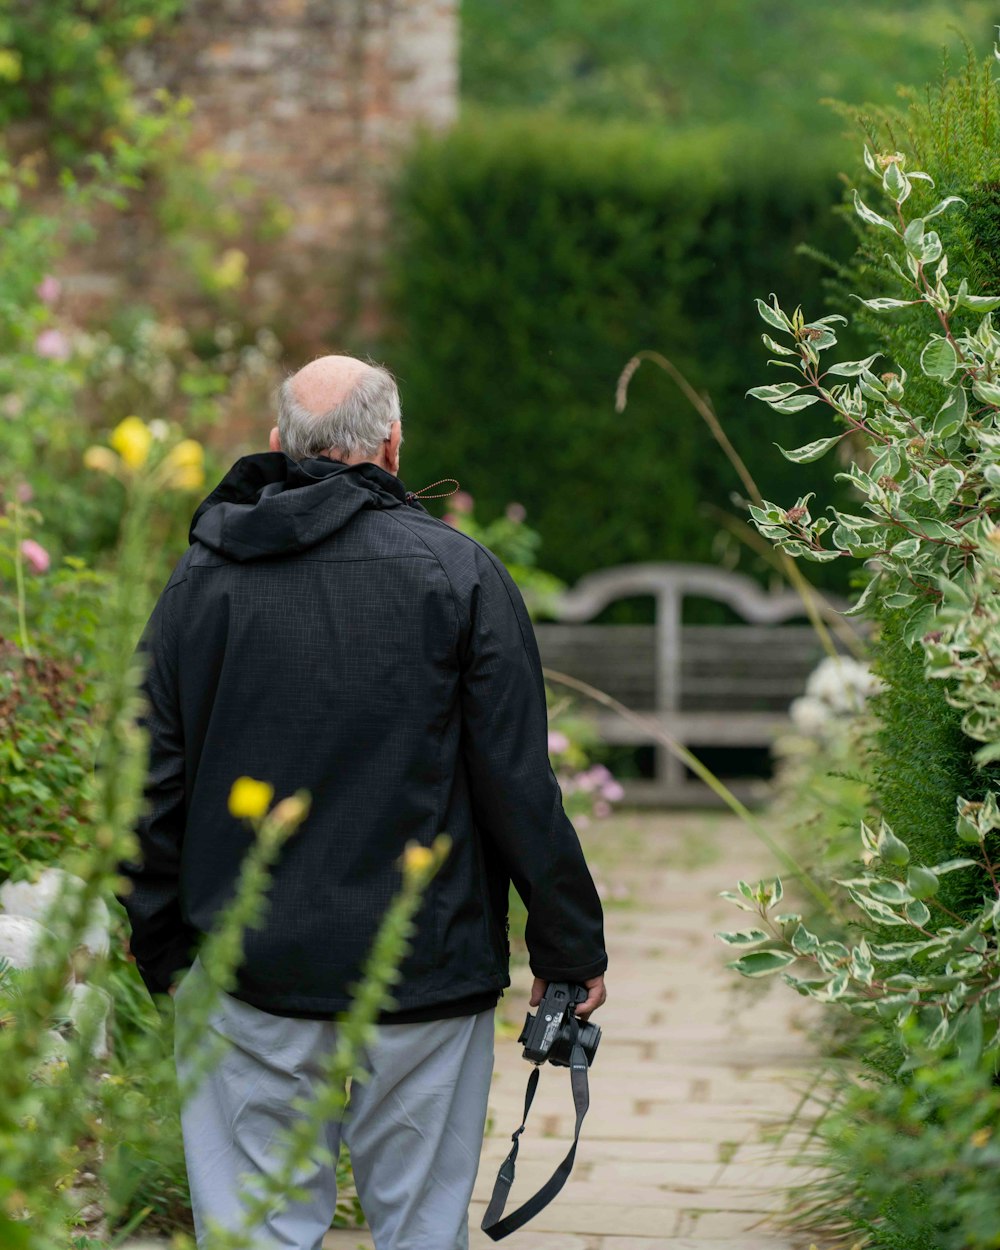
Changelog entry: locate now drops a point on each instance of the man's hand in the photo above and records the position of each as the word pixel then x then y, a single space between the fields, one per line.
pixel 596 995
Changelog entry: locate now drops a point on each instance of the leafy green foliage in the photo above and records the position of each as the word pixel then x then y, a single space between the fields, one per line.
pixel 770 63
pixel 910 957
pixel 914 1164
pixel 44 778
pixel 951 128
pixel 47 695
pixel 536 255
pixel 61 62
pixel 929 490
pixel 920 758
pixel 931 481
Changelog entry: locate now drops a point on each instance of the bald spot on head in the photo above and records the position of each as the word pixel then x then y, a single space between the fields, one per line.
pixel 326 382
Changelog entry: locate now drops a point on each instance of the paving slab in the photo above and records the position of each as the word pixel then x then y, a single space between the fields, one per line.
pixel 696 1073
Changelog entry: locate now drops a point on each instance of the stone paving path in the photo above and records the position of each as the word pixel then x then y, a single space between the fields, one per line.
pixel 693 1068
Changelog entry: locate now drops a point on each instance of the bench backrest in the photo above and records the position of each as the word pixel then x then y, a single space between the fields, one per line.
pixel 757 666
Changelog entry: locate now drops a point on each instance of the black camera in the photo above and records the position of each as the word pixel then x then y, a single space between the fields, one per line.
pixel 548 1035
pixel 552 1035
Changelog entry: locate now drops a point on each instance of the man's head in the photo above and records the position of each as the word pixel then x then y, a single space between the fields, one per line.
pixel 340 407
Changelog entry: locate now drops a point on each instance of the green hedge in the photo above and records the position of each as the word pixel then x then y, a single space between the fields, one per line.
pixel 535 256
pixel 951 130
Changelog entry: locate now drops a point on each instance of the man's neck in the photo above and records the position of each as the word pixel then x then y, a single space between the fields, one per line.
pixel 342 459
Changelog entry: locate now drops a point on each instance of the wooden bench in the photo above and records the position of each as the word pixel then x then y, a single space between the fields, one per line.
pixel 706 685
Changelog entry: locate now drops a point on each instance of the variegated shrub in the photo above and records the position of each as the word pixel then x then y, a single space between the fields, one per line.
pixel 926 526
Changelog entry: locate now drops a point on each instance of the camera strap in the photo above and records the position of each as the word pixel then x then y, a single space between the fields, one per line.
pixel 493 1225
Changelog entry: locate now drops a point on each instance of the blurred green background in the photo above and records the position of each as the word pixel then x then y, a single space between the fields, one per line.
pixel 764 65
pixel 631 176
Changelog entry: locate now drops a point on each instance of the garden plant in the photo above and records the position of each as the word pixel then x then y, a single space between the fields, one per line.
pixel 909 945
pixel 67 1119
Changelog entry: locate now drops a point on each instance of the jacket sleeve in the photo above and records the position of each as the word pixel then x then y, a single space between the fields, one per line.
pixel 516 799
pixel 161 942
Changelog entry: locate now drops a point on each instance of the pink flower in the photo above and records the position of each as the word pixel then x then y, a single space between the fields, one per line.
pixel 558 742
pixel 462 501
pixel 584 782
pixel 49 289
pixel 36 555
pixel 53 345
pixel 612 791
pixel 602 809
pixel 451 519
pixel 516 512
pixel 24 492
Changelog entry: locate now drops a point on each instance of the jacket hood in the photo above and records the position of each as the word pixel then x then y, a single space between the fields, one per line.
pixel 269 504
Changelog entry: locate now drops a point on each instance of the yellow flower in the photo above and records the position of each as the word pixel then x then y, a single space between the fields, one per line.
pixel 231 269
pixel 187 452
pixel 190 477
pixel 417 859
pixel 103 459
pixel 250 799
pixel 185 465
pixel 132 439
pixel 980 1137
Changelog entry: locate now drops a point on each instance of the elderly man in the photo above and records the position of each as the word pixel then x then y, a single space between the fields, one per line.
pixel 324 632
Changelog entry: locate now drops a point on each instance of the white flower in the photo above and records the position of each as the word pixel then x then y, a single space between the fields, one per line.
pixel 32 900
pixel 842 683
pixel 810 716
pixel 19 936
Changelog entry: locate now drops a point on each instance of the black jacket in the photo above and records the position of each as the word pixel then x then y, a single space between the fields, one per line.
pixel 324 632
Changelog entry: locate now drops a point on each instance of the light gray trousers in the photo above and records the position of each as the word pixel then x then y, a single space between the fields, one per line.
pixel 414 1127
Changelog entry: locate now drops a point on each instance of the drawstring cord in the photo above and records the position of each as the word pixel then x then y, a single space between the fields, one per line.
pixel 411 495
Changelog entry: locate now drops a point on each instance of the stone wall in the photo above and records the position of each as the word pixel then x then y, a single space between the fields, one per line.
pixel 313 101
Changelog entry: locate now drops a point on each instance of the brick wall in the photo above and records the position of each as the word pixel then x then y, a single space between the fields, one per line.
pixel 313 100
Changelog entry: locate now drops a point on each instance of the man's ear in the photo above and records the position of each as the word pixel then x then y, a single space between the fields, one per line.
pixel 273 442
pixel 391 447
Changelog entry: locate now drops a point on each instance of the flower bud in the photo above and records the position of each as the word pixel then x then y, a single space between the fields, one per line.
pixel 102 459
pixel 290 811
pixel 250 799
pixel 417 859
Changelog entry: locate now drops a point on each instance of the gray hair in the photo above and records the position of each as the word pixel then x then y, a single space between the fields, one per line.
pixel 356 426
